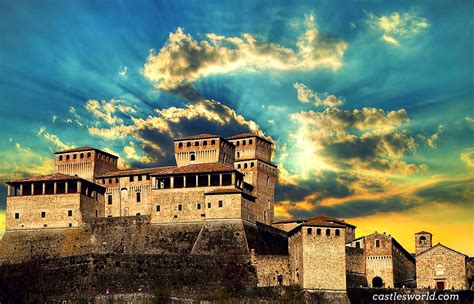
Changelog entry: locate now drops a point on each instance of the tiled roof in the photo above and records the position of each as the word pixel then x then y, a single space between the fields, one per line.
pixel 198 168
pixel 83 148
pixel 288 221
pixel 48 177
pixel 224 191
pixel 423 232
pixel 247 135
pixel 133 171
pixel 326 218
pixel 198 136
pixel 322 224
pixel 442 246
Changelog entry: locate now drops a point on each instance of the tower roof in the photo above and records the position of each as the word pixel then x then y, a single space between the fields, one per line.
pixel 247 135
pixel 84 148
pixel 198 136
pixel 423 232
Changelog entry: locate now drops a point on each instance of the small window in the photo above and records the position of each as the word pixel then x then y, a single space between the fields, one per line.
pixel 70 224
pixel 180 145
pixel 89 155
pixel 110 180
pixel 109 199
pixel 213 142
pixel 310 231
pixel 103 182
pixel 239 166
pixel 74 156
pixel 97 213
pixel 82 155
pixel 139 178
pixel 243 142
pixel 192 156
pixel 338 233
pixel 238 154
pixel 318 231
pixel 204 143
pixel 188 144
pixel 139 197
pixel 220 204
pixel 148 177
pixel 43 214
pixel 138 214
pixel 180 207
pixel 357 244
pixel 377 243
pixel 237 143
pixel 252 164
pixel 69 213
pixel 328 231
pixel 250 141
pixel 196 143
pixel 67 157
pixel 209 205
pixel 198 206
pixel 245 166
pixel 45 225
pixel 158 208
pixel 60 157
pixel 17 216
pixel 117 180
pixel 131 178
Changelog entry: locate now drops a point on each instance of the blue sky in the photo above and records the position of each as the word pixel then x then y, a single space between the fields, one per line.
pixel 370 104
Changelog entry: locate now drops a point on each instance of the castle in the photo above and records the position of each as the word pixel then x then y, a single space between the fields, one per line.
pixel 218 199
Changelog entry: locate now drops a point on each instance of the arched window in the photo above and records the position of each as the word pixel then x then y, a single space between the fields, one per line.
pixel 338 233
pixel 244 142
pixel 237 143
pixel 310 231
pixel 251 165
pixel 422 240
pixel 188 144
pixel 192 156
pixel 82 155
pixel 196 143
pixel 328 231
pixel 180 207
pixel 60 157
pixel 239 166
pixel 67 157
pixel 377 243
pixel 89 155
pixel 245 165
pixel 204 143
pixel 213 142
pixel 238 154
pixel 250 141
pixel 318 231
pixel 74 156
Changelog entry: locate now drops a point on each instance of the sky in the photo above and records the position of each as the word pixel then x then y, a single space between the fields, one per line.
pixel 369 103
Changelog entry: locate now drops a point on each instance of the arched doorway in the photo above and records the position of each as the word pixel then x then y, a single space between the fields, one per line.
pixel 377 282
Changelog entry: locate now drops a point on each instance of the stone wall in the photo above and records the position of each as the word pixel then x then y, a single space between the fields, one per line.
pixel 379 261
pixel 404 272
pixel 355 267
pixel 270 267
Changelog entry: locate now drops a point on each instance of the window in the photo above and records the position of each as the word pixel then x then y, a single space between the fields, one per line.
pixel 310 231
pixel 103 181
pixel 198 206
pixel 188 144
pixel 110 180
pixel 131 178
pixel 192 156
pixel 338 232
pixel 213 142
pixel 252 164
pixel 196 143
pixel 180 145
pixel 318 231
pixel 157 208
pixel 139 198
pixel 67 157
pixel 377 243
pixel 17 216
pixel 60 157
pixel 328 231
pixel 268 181
pixel 244 142
pixel 238 154
pixel 139 178
pixel 82 155
pixel 422 240
pixel 239 166
pixel 209 205
pixel 138 214
pixel 220 204
pixel 70 224
pixel 250 141
pixel 204 143
pixel 97 213
pixel 74 156
pixel 357 244
pixel 89 155
pixel 148 177
pixel 45 225
pixel 237 143
pixel 109 199
pixel 69 213
pixel 116 180
pixel 245 166
pixel 180 207
pixel 43 214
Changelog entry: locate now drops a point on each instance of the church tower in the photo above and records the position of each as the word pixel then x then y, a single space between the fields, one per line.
pixel 423 241
pixel 253 158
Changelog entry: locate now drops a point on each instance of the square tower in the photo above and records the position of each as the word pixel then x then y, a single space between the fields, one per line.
pixel 253 158
pixel 423 241
pixel 85 162
pixel 203 149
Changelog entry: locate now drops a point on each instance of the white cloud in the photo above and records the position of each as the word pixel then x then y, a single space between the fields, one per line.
pixel 183 60
pixel 106 110
pixel 396 26
pixel 123 71
pixel 467 156
pixel 306 95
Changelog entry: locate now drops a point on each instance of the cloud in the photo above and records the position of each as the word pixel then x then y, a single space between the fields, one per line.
pixel 151 138
pixel 19 161
pixel 57 144
pixel 306 95
pixel 106 110
pixel 396 26
pixel 467 156
pixel 459 191
pixel 183 60
pixel 123 71
pixel 433 139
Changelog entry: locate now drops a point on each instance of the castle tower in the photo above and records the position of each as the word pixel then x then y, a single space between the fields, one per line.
pixel 203 149
pixel 85 162
pixel 423 241
pixel 253 158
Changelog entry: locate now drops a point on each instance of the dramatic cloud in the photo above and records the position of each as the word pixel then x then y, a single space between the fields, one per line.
pixel 449 191
pixel 396 26
pixel 20 161
pixel 183 60
pixel 108 110
pixel 153 135
pixel 306 95
pixel 57 144
pixel 467 156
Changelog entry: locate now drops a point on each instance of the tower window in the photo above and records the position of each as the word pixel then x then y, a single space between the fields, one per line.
pixel 245 166
pixel 204 143
pixel 422 240
pixel 238 143
pixel 188 144
pixel 180 207
pixel 239 166
pixel 110 180
pixel 192 156
pixel 220 204
pixel 69 213
pixel 97 213
pixel 310 231
pixel 117 180
pixel 338 232
pixel 74 156
pixel 209 205
pixel 238 154
pixel 198 206
pixel 328 231
pixel 109 199
pixel 213 142
pixel 377 243
pixel 196 143
pixel 60 157
pixel 82 155
pixel 67 157
pixel 318 231
pixel 17 216
pixel 43 214
pixel 252 164
pixel 131 178
pixel 250 141
pixel 357 244
pixel 89 155
pixel 139 178
pixel 244 142
pixel 139 197
pixel 157 208
pixel 180 145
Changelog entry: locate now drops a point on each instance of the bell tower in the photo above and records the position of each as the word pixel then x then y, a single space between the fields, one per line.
pixel 423 241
